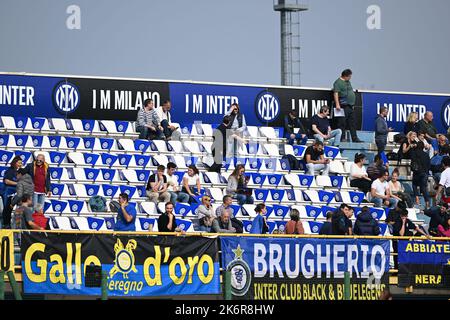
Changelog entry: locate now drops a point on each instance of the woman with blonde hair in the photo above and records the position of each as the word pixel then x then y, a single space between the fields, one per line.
pixel 411 123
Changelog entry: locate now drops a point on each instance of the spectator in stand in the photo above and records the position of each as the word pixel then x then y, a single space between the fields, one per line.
pixel 436 166
pixel 237 127
pixel 397 189
pixel 442 145
pixel 444 228
pixel 219 146
pixel 411 123
pixel 294 226
pixel 444 182
pixel 405 227
pixel 259 224
pixel 157 187
pixel 409 144
pixel 345 98
pixel 315 159
pixel 9 188
pixel 340 220
pixel 170 132
pixel 382 130
pixel 40 174
pixel 173 187
pixel 167 221
pixel 392 218
pixel 320 126
pixel 327 228
pixel 222 224
pixel 205 214
pixel 191 183
pixel 39 217
pixel 427 127
pixel 24 186
pixel 291 122
pixel 358 175
pixel 381 194
pixel 148 124
pixel 25 213
pixel 226 203
pixel 437 216
pixel 126 215
pixel 428 148
pixel 420 166
pixel 375 168
pixel 365 224
pixel 237 186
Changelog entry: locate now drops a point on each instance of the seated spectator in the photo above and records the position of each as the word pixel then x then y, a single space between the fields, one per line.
pixel 167 221
pixel 294 226
pixel 326 228
pixel 24 185
pixel 405 227
pixel 237 127
pixel 315 160
pixel 443 145
pixel 205 214
pixel 226 203
pixel 24 214
pixel 436 165
pixel 320 126
pixel 219 146
pixel 411 123
pixel 157 187
pixel 292 122
pixel 126 215
pixel 365 224
pixel 381 194
pixel 394 215
pixel 429 130
pixel 237 186
pixel 173 187
pixel 375 168
pixel 170 132
pixel 437 216
pixel 191 183
pixel 444 182
pixel 444 227
pixel 397 189
pixel 358 175
pixel 222 224
pixel 340 220
pixel 148 123
pixel 39 217
pixel 259 224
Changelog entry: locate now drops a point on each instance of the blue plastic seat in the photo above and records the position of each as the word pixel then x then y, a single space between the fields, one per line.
pixel 108 159
pixel 142 160
pixel 109 191
pixel 277 194
pixel 145 224
pixel 305 180
pixel 91 158
pixel 141 145
pixel 312 211
pixel 130 190
pixel 75 206
pixel 95 223
pixel 110 223
pixel 57 157
pixel 6 156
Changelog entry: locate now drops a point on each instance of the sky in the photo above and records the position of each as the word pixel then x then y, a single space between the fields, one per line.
pixel 233 41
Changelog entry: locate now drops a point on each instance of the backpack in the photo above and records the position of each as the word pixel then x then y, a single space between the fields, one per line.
pixel 114 206
pixel 399 138
pixel 97 204
pixel 294 164
pixel 238 225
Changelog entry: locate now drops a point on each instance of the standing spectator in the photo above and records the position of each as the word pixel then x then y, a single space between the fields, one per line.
pixel 170 132
pixel 320 126
pixel 237 128
pixel 340 220
pixel 294 226
pixel 173 186
pixel 409 143
pixel 219 146
pixel 25 213
pixel 157 187
pixel 167 221
pixel 191 183
pixel 259 224
pixel 315 159
pixel 226 203
pixel 444 228
pixel 381 130
pixel 205 214
pixel 375 168
pixel 358 175
pixel 126 215
pixel 420 166
pixel 365 224
pixel 381 194
pixel 9 188
pixel 444 182
pixel 405 227
pixel 411 123
pixel 437 216
pixel 237 186
pixel 291 122
pixel 24 186
pixel 40 174
pixel 345 98
pixel 222 224
pixel 327 228
pixel 427 127
pixel 397 189
pixel 148 123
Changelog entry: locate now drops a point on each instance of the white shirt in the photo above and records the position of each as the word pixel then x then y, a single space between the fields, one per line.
pixel 356 171
pixel 163 115
pixel 380 187
pixel 172 181
pixel 192 181
pixel 445 178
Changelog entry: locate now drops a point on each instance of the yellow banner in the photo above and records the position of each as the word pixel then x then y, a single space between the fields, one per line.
pixel 6 250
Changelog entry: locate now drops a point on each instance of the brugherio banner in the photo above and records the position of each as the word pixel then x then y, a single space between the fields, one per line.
pixel 422 263
pixel 135 265
pixel 305 269
pixel 401 105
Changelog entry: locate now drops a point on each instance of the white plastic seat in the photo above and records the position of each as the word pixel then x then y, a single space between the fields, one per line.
pixel 192 147
pixel 160 145
pixel 289 150
pixel 149 208
pixel 161 159
pixel 177 146
pixel 63 223
pixel 313 195
pixel 293 179
pixel 323 181
pixel 127 145
pixel 272 150
pixel 60 125
pixel 268 132
pixel 336 166
pixel 180 162
pixel 216 193
pixel 250 209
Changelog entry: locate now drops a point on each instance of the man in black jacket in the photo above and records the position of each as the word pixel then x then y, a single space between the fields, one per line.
pixel 437 215
pixel 291 121
pixel 381 130
pixel 340 221
pixel 365 224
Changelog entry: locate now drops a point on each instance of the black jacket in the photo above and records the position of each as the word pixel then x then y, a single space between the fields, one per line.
pixel 437 218
pixel 366 225
pixel 340 223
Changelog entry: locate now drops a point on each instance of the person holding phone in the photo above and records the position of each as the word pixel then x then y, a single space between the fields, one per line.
pixel 237 126
pixel 315 159
pixel 170 132
pixel 126 215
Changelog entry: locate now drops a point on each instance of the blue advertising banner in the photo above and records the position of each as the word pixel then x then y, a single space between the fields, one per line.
pixel 424 252
pixel 401 105
pixel 135 265
pixel 308 269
